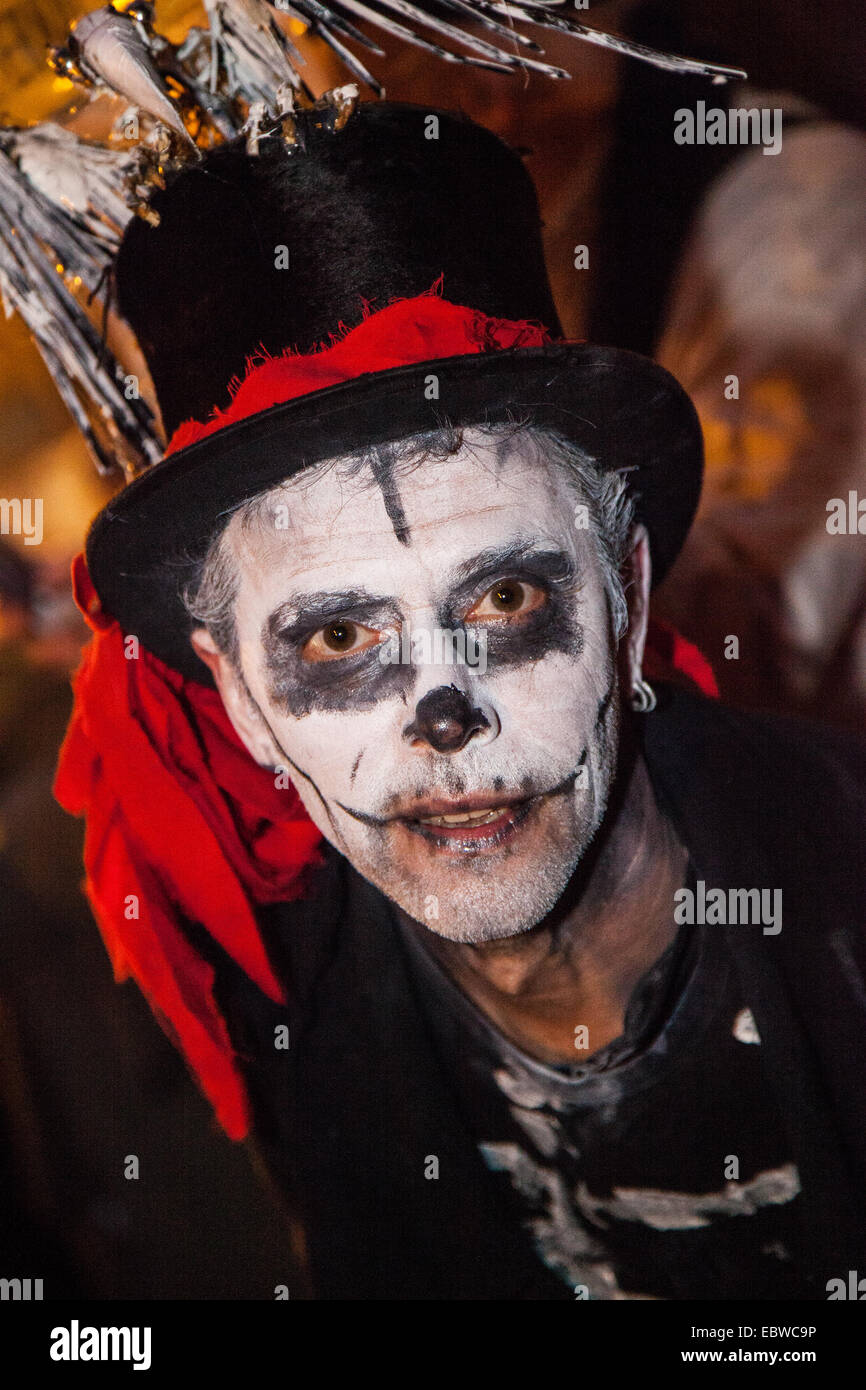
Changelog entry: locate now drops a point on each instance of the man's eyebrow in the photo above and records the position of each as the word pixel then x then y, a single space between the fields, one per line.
pixel 302 610
pixel 497 561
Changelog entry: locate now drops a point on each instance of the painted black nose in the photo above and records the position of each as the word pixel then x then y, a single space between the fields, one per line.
pixel 446 720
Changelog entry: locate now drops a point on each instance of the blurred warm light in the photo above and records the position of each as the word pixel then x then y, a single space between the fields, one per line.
pixel 62 474
pixel 749 450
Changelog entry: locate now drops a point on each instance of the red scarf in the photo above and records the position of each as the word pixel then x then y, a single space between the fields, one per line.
pixel 182 825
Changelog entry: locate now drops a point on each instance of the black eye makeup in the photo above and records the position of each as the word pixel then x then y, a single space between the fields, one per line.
pixel 325 652
pixel 508 599
pixel 338 640
pixel 528 611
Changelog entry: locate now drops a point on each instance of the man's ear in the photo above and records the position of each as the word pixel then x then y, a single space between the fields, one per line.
pixel 637 577
pixel 246 720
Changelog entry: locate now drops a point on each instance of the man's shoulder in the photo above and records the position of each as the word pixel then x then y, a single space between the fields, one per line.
pixel 777 797
pixel 741 747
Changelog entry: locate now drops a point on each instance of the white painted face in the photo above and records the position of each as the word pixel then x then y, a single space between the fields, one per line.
pixel 519 746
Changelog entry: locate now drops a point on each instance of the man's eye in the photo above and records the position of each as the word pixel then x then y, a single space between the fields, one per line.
pixel 340 638
pixel 509 598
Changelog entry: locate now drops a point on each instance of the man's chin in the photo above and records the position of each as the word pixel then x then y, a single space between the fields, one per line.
pixel 464 932
pixel 481 882
pixel 467 907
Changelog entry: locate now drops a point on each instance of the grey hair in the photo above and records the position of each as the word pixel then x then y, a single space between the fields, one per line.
pixel 210 594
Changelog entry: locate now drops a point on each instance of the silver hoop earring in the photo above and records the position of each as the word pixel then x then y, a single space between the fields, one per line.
pixel 643 697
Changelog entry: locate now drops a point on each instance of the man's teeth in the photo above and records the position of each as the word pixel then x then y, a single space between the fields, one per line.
pixel 466 817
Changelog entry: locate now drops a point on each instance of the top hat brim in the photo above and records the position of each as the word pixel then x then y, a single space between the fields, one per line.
pixel 624 410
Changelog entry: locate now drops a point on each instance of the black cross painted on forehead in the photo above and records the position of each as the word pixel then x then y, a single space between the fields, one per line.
pixel 382 466
pixel 383 472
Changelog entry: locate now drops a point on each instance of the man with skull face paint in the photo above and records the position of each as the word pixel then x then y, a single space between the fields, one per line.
pixel 481 791
pixel 474 1045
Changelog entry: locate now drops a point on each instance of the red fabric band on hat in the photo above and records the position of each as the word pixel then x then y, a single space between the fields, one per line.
pixel 410 330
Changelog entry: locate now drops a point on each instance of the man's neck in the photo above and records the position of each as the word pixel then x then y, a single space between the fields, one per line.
pixel 579 967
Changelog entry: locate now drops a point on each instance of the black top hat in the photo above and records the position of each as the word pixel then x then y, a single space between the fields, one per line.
pixel 374 212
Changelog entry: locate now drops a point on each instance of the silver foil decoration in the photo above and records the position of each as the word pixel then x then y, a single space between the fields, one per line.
pixel 65 202
pixel 63 207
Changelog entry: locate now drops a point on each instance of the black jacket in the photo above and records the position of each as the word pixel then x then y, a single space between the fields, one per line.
pixel 347 1115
